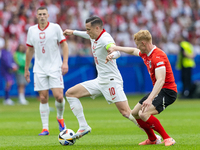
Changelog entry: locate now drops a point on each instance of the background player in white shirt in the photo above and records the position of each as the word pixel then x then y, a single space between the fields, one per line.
pixel 108 82
pixel 48 68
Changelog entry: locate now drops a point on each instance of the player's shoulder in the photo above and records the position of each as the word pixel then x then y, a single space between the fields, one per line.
pixel 54 24
pixel 160 52
pixel 106 34
pixel 159 55
pixel 33 27
pixel 106 37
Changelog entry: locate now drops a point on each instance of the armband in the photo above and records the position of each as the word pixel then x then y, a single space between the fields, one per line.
pixel 109 45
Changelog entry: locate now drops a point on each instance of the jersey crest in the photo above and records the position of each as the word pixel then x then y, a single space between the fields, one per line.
pixel 42 35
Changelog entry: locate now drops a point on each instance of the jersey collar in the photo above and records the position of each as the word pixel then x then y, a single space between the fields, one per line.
pixel 44 28
pixel 151 51
pixel 100 34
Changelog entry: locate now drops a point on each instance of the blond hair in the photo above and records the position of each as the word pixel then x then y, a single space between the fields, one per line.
pixel 143 35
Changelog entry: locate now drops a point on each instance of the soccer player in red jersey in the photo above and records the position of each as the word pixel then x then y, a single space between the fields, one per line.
pixel 164 90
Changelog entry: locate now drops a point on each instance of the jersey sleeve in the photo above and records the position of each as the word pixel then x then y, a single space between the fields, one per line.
pixel 29 42
pixel 107 40
pixel 82 34
pixel 60 35
pixel 159 62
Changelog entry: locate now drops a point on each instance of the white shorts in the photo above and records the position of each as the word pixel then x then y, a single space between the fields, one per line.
pixel 46 82
pixel 112 91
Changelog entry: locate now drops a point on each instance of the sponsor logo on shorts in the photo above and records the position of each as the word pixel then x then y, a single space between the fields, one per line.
pixel 113 98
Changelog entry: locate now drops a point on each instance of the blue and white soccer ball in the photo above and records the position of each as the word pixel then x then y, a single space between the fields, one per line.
pixel 65 137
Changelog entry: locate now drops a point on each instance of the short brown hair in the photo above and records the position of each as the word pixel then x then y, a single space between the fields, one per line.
pixel 42 8
pixel 143 35
pixel 95 21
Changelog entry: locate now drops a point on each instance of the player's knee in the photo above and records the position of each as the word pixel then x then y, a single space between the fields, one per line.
pixel 59 98
pixel 68 93
pixel 43 99
pixel 143 116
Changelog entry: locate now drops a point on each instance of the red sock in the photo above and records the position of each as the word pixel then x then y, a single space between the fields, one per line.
pixel 155 124
pixel 147 129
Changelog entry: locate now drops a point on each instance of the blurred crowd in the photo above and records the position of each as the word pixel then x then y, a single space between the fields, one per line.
pixel 167 20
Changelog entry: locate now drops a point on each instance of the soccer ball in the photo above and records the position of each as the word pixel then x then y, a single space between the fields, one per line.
pixel 65 137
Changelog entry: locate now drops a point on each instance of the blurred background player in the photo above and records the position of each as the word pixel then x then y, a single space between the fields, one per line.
pixel 164 90
pixel 20 58
pixel 108 82
pixel 43 39
pixel 8 67
pixel 185 63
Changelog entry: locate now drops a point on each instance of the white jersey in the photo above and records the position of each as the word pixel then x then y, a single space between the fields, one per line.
pixel 105 71
pixel 45 42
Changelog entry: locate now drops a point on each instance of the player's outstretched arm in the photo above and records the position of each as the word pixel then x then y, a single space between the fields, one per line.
pixel 82 34
pixel 68 32
pixel 128 50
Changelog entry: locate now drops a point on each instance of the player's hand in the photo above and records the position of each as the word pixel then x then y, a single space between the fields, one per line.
pixel 109 58
pixel 111 49
pixel 68 32
pixel 146 104
pixel 27 76
pixel 64 68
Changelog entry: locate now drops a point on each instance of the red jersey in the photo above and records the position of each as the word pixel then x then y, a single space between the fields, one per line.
pixel 157 59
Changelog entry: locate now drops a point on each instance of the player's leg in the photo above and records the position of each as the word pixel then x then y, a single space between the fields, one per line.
pixel 114 93
pixel 152 137
pixel 154 123
pixel 73 94
pixel 159 104
pixel 125 110
pixel 56 84
pixel 44 111
pixel 41 84
pixel 60 106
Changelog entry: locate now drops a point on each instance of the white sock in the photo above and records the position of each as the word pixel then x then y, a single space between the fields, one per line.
pixel 44 113
pixel 60 108
pixel 21 96
pixel 133 120
pixel 77 109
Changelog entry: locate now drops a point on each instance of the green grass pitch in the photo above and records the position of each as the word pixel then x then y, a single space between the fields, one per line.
pixel 20 125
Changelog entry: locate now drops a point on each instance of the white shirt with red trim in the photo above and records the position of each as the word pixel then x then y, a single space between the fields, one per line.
pixel 98 46
pixel 45 43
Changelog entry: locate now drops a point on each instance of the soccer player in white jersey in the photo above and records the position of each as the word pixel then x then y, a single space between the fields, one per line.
pixel 108 82
pixel 43 39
